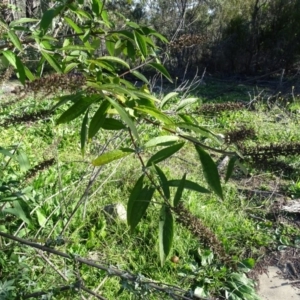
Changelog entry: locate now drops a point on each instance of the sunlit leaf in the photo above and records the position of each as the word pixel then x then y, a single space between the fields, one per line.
pixel 167 98
pixel 210 171
pixel 125 117
pixel 15 40
pixel 111 156
pixel 186 102
pixel 23 161
pixel 161 141
pixel 164 154
pixel 42 220
pixel 115 60
pixel 157 114
pixel 52 61
pixel 140 42
pixel 140 76
pixel 166 233
pixel 15 61
pixel 179 191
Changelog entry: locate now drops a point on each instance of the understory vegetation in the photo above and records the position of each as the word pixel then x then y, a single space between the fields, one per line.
pixel 118 186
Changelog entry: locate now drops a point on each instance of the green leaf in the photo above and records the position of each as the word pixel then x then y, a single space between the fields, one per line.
pixel 210 171
pixel 160 68
pixel 166 233
pixel 197 129
pixel 138 206
pixel 179 191
pixel 115 60
pixel 98 119
pixel 112 124
pixel 96 7
pixel 157 114
pixel 17 211
pixel 70 67
pixel 230 167
pixel 52 61
pixel 110 46
pixel 22 21
pixel 163 182
pixel 83 132
pixel 186 102
pixel 15 61
pixel 15 40
pixel 164 154
pixel 133 196
pixel 47 18
pixel 161 141
pixel 111 156
pixel 189 185
pixel 77 47
pixel 188 119
pixel 23 161
pixel 77 109
pixel 42 220
pixel 167 98
pixel 125 117
pixel 78 30
pixel 140 76
pixel 141 43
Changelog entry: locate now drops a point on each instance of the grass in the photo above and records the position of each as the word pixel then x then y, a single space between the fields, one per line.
pixel 241 222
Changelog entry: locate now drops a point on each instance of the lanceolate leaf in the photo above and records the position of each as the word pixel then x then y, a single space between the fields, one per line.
pixel 179 191
pixel 52 61
pixel 17 211
pixel 164 154
pixel 140 76
pixel 166 232
pixel 162 70
pixel 111 156
pixel 47 18
pixel 15 40
pixel 167 98
pixel 164 140
pixel 210 171
pixel 155 113
pixel 141 43
pixel 133 196
pixel 189 185
pixel 77 109
pixel 139 206
pixel 186 102
pixel 163 182
pixel 83 132
pixel 15 61
pixel 112 124
pixel 98 119
pixel 115 60
pixel 78 30
pixel 125 117
pixel 230 167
